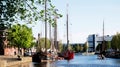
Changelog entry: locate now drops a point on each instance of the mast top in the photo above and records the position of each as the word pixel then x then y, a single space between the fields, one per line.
pixel 67 27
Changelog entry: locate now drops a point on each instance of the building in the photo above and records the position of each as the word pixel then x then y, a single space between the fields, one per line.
pixel 93 41
pixel 3 39
pixel 6 49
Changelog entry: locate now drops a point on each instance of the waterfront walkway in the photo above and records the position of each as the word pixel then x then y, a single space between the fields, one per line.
pixel 6 61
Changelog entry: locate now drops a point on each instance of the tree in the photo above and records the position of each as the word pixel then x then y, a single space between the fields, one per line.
pixel 27 10
pixel 77 48
pixel 115 43
pixel 85 47
pixel 60 46
pixel 41 44
pixel 107 45
pixel 81 48
pixel 73 48
pixel 20 36
pixel 98 47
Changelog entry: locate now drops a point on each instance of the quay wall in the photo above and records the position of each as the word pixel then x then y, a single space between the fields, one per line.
pixel 9 62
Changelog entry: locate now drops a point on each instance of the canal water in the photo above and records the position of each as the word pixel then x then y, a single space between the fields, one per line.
pixel 78 61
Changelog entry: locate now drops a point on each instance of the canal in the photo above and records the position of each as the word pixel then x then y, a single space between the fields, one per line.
pixel 78 61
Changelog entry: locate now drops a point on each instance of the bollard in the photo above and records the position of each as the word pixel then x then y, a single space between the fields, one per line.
pixel 3 63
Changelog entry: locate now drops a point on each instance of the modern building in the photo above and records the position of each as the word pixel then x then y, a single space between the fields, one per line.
pixel 93 41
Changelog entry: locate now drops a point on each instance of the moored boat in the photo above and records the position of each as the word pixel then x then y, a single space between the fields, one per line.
pixel 88 53
pixel 68 55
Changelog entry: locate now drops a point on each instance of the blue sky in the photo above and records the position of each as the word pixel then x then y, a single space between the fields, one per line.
pixel 85 18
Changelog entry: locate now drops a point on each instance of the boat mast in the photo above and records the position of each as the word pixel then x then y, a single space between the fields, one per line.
pixel 103 44
pixel 45 25
pixel 38 43
pixel 55 34
pixel 67 27
pixel 103 37
pixel 50 36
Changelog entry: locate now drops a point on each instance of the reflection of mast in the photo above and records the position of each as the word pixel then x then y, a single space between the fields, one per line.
pixel 67 27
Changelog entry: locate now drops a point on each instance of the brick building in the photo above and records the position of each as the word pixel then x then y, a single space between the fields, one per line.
pixel 6 49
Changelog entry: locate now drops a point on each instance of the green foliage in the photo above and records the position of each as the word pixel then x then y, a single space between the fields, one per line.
pixel 115 43
pixel 60 46
pixel 77 48
pixel 98 47
pixel 73 48
pixel 65 47
pixel 41 44
pixel 81 48
pixel 85 47
pixel 107 45
pixel 28 10
pixel 20 36
pixel 33 44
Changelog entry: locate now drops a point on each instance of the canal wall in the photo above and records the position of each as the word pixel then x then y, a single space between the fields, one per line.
pixel 6 61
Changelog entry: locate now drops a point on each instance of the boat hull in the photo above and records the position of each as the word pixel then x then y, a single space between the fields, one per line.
pixel 68 55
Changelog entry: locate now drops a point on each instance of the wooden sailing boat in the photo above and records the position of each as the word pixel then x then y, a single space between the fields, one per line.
pixel 68 54
pixel 102 48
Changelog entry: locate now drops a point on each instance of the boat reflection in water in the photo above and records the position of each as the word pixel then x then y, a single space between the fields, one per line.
pixel 78 61
pixel 81 61
pixel 85 61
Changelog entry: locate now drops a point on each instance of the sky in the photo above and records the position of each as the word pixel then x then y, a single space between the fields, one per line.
pixel 85 17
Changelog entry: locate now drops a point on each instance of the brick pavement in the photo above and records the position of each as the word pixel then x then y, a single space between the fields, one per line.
pixel 12 60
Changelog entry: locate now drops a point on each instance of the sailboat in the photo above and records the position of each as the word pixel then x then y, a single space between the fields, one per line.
pixel 102 49
pixel 68 54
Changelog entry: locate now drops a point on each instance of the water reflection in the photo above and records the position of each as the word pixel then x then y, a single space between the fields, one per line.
pixel 39 64
pixel 78 61
pixel 44 64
